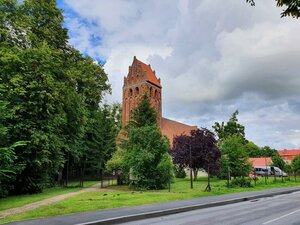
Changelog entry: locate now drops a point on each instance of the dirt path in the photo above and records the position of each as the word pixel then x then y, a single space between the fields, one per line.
pixel 58 198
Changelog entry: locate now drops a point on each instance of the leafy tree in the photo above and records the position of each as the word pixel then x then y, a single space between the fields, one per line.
pixel 232 127
pixel 235 157
pixel 146 154
pixel 8 166
pixel 199 150
pixel 52 93
pixel 296 165
pixel 210 153
pixel 278 161
pixel 252 150
pixel 266 151
pixel 292 7
pixel 115 164
pixel 145 150
pixel 100 140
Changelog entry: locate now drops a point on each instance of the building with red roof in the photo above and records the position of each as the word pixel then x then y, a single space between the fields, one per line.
pixel 141 79
pixel 267 161
pixel 289 155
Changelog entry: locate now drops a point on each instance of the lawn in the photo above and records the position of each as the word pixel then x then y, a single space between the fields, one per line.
pixel 124 196
pixel 20 200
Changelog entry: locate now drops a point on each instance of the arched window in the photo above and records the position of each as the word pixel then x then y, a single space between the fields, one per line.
pixel 155 93
pixel 150 91
pixel 137 91
pixel 130 93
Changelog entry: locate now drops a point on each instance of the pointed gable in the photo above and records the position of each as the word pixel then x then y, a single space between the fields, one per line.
pixel 149 73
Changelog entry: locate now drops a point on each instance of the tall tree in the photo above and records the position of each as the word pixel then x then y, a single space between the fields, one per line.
pixel 231 128
pixel 145 150
pixel 8 166
pixel 235 157
pixel 253 150
pixel 51 90
pixel 144 114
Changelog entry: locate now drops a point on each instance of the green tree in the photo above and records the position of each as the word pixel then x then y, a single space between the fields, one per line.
pixel 252 150
pixel 51 91
pixel 231 128
pixel 100 140
pixel 296 165
pixel 8 166
pixel 235 157
pixel 146 154
pixel 266 151
pixel 144 114
pixel 278 161
pixel 145 150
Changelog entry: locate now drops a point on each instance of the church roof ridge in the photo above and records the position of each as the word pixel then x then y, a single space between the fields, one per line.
pixel 179 123
pixel 150 74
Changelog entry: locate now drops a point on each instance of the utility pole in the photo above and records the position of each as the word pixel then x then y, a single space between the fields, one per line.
pixel 191 172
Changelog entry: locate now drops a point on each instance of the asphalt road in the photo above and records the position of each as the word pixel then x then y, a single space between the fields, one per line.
pixel 277 210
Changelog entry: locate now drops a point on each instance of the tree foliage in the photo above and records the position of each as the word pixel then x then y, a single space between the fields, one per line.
pixel 145 150
pixel 292 7
pixel 252 150
pixel 235 157
pixel 296 165
pixel 197 151
pixel 231 128
pixel 144 114
pixel 278 161
pixel 52 95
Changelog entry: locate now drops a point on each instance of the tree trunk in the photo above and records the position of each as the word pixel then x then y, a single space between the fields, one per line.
pixel 195 174
pixel 67 172
pixel 191 177
pixel 208 187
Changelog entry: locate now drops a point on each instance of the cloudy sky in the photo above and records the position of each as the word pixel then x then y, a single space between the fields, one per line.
pixel 212 58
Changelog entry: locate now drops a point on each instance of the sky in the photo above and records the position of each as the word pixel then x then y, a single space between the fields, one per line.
pixel 212 58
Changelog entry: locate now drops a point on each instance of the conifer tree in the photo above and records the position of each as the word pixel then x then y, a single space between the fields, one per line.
pixel 145 150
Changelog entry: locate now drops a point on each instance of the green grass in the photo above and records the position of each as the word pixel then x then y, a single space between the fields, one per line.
pixel 124 196
pixel 20 200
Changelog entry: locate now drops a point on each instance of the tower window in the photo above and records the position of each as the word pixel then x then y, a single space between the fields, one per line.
pixel 130 93
pixel 137 91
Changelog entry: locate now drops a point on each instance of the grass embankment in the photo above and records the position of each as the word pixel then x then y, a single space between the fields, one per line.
pixel 124 196
pixel 21 200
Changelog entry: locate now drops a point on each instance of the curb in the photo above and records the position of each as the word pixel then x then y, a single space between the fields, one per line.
pixel 152 214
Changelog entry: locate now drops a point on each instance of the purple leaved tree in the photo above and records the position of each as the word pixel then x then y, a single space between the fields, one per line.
pixel 197 151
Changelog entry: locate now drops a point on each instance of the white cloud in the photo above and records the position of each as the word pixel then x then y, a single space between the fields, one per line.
pixel 212 58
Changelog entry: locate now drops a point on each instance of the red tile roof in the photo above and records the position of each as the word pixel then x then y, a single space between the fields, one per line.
pixel 292 152
pixel 150 76
pixel 260 161
pixel 171 128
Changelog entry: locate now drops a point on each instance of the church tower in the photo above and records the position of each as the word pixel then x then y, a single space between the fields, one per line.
pixel 140 80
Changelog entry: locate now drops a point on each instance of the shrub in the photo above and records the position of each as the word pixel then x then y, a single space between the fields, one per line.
pixel 241 182
pixel 179 171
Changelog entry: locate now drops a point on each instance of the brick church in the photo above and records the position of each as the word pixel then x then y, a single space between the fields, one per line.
pixel 141 79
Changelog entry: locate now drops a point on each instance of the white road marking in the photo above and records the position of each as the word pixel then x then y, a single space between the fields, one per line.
pixel 270 221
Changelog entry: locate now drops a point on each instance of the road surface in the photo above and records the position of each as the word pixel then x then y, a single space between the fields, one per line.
pixel 277 210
